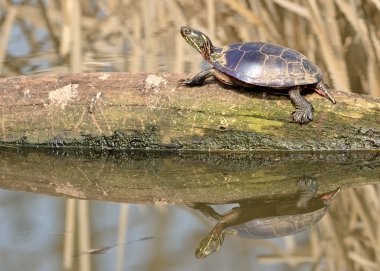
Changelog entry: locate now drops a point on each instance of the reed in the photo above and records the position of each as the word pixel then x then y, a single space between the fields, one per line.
pixel 351 230
pixel 341 35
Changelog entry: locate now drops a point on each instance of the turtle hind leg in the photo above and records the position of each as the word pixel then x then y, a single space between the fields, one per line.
pixel 304 110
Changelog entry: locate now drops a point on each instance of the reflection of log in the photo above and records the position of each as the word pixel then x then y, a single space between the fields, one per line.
pixel 124 111
pixel 175 178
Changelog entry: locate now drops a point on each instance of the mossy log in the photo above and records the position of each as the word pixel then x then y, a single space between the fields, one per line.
pixel 152 111
pixel 180 177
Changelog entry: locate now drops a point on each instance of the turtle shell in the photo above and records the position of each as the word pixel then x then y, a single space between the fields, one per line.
pixel 270 227
pixel 266 65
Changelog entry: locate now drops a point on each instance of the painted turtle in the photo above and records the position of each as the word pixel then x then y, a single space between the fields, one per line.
pixel 267 217
pixel 271 67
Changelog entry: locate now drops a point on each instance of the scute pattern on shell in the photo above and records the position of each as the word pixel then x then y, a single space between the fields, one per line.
pixel 266 64
pixel 270 227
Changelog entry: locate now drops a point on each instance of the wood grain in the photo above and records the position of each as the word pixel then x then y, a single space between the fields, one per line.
pixel 153 111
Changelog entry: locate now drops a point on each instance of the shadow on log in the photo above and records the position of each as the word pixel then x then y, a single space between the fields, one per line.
pixel 173 177
pixel 124 111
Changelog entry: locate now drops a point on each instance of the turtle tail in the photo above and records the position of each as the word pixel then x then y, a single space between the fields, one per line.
pixel 322 90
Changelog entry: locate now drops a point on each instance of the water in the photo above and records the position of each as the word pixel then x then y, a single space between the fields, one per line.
pixel 34 232
pixel 155 225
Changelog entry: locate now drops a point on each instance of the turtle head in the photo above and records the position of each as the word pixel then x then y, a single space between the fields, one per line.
pixel 198 40
pixel 209 244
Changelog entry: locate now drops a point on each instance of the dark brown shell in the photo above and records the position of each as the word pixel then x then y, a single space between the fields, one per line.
pixel 269 227
pixel 266 64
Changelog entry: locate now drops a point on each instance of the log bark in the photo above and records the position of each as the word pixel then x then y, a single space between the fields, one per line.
pixel 151 111
pixel 175 178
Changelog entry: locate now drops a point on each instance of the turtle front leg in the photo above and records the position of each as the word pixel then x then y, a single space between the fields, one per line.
pixel 206 210
pixel 304 110
pixel 199 78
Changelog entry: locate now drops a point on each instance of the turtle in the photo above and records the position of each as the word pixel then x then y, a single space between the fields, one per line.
pixel 270 217
pixel 267 66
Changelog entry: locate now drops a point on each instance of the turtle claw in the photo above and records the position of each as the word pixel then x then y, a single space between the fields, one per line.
pixel 302 116
pixel 308 184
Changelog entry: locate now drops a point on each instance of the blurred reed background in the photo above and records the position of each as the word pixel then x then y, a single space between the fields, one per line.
pixel 341 36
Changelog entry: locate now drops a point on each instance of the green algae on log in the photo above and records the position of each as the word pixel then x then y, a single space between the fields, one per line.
pixel 179 177
pixel 153 111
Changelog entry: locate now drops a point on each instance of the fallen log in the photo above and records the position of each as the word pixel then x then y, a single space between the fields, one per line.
pixel 152 111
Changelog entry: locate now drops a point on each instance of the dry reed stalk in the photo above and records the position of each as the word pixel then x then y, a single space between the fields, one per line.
pixel 377 249
pixel 161 220
pixel 362 263
pixel 275 26
pixel 304 38
pixel 266 31
pixel 357 227
pixel 68 243
pixel 294 7
pixel 121 236
pixel 210 7
pixel 49 26
pixel 162 59
pixel 65 36
pixel 316 250
pixel 370 198
pixel 84 235
pixel 179 53
pixel 149 45
pixel 312 49
pixel 243 11
pixel 350 10
pixel 373 77
pixel 376 3
pixel 365 224
pixel 274 13
pixel 333 248
pixel 334 60
pixel 161 18
pixel 113 5
pixel 5 33
pixel 375 40
pixel 76 36
pixel 135 62
pixel 35 46
pixel 34 16
pixel 289 25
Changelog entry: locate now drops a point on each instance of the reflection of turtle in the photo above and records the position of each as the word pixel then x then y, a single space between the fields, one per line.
pixel 265 65
pixel 267 218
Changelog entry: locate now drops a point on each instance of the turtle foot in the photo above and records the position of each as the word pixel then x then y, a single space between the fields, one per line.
pixel 308 187
pixel 302 116
pixel 304 109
